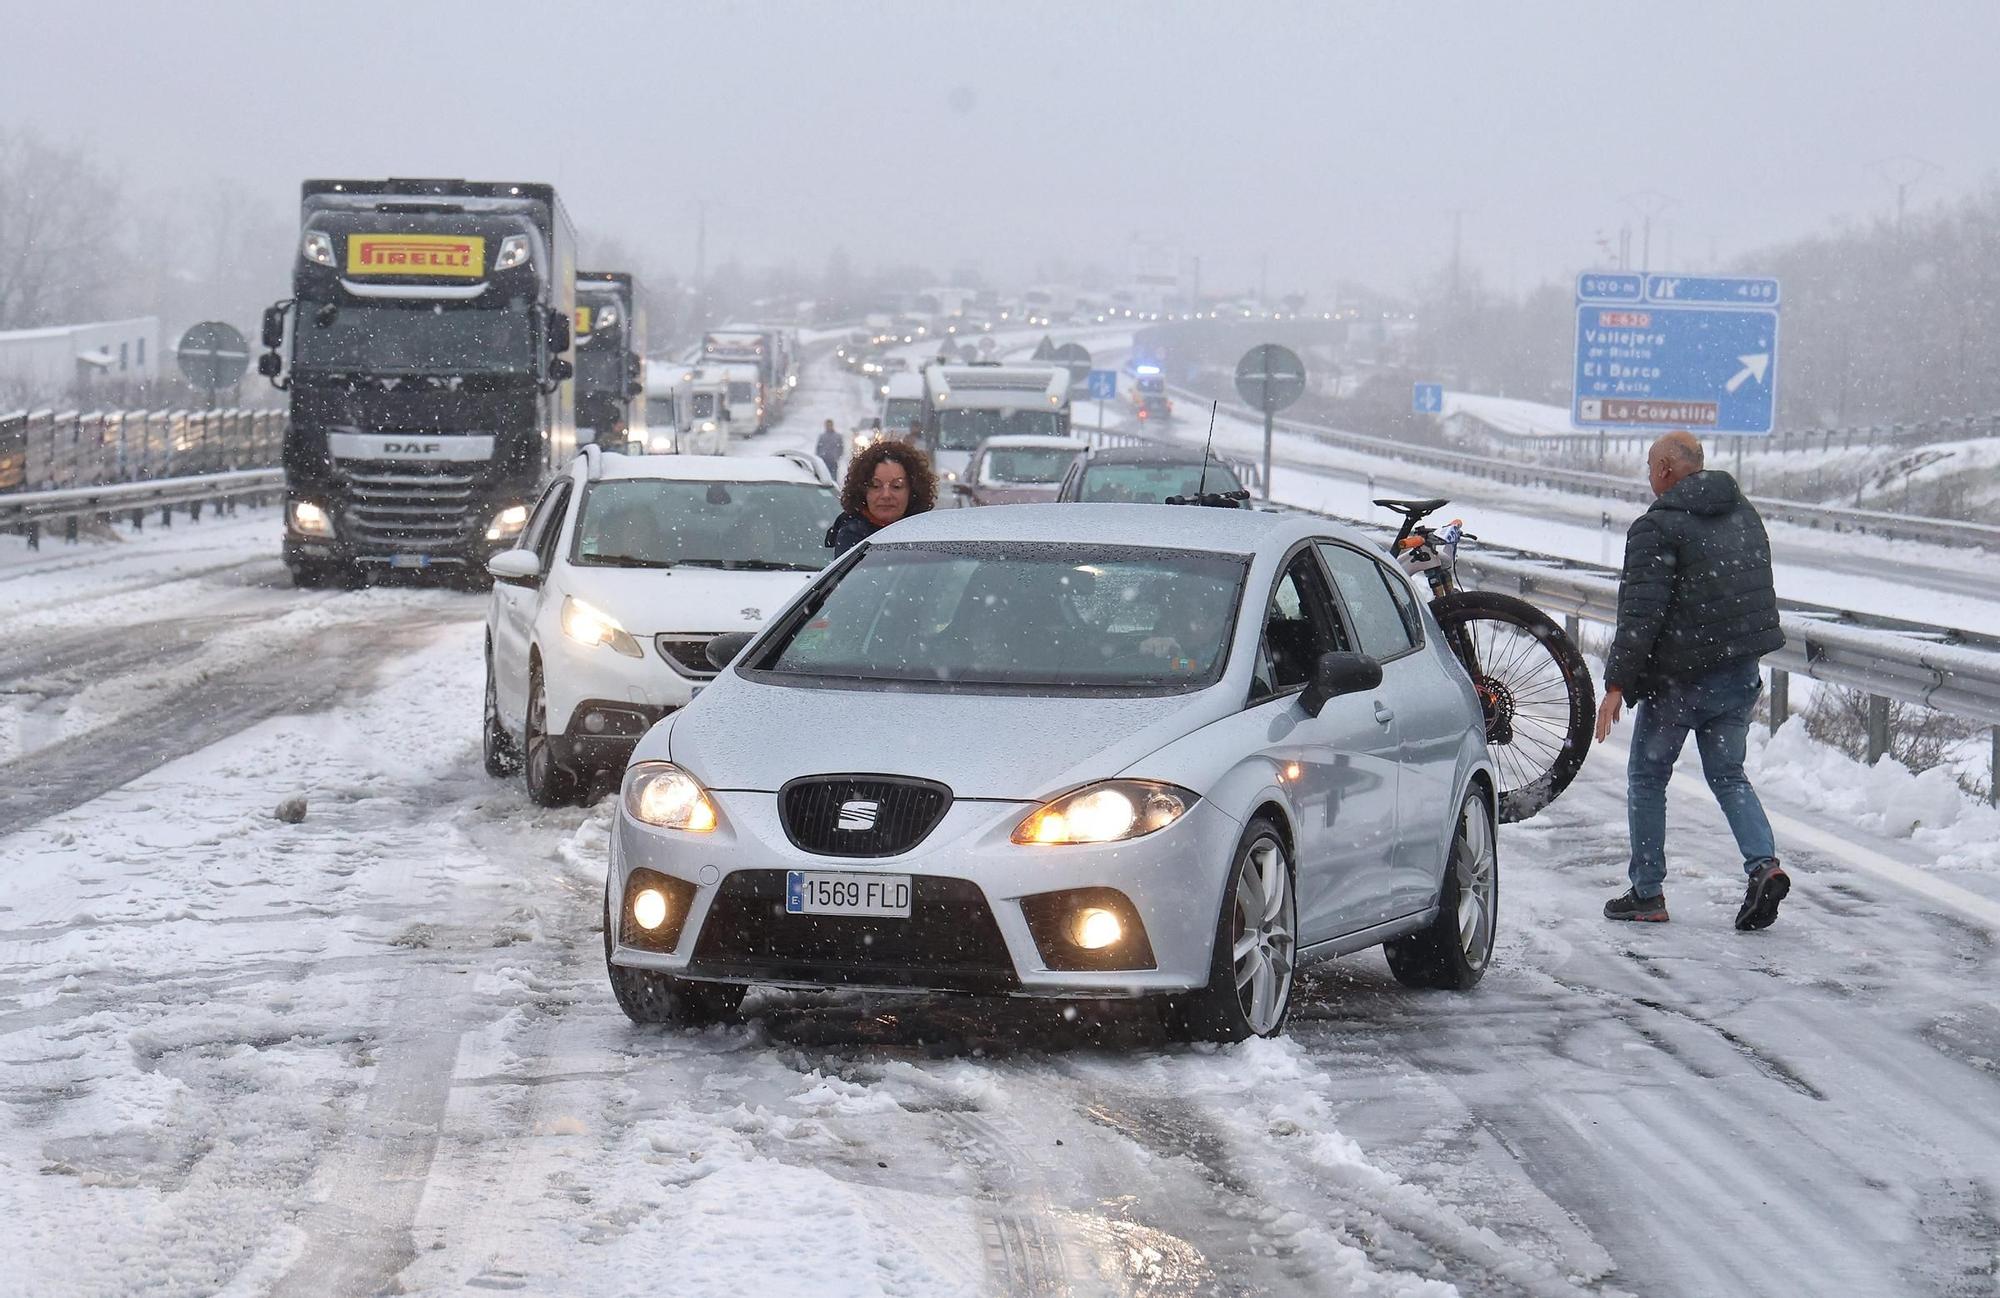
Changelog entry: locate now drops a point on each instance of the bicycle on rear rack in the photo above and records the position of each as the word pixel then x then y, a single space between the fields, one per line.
pixel 1534 686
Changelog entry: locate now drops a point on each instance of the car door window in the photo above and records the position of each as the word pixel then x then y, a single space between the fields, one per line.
pixel 1379 621
pixel 546 525
pixel 1300 624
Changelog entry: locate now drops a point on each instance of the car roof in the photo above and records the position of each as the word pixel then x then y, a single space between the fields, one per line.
pixel 1175 527
pixel 705 468
pixel 1031 441
pixel 1151 453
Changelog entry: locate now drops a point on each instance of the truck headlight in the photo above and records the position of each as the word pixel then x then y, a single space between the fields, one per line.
pixel 317 248
pixel 513 252
pixel 586 624
pixel 508 522
pixel 1110 812
pixel 662 794
pixel 309 518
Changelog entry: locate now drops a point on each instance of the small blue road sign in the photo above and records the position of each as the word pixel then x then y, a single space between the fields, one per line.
pixel 1104 384
pixel 1676 351
pixel 1427 398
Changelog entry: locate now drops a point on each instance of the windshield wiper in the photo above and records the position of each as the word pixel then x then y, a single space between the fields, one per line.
pixel 750 565
pixel 625 561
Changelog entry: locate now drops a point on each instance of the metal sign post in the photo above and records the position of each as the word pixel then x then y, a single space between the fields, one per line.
pixel 1270 378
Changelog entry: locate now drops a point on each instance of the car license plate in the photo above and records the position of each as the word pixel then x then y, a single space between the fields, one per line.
pixel 824 892
pixel 409 560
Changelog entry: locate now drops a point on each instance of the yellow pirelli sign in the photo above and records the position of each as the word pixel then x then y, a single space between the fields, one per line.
pixel 451 255
pixel 584 315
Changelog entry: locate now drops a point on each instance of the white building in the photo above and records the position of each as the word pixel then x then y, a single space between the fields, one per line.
pixel 45 365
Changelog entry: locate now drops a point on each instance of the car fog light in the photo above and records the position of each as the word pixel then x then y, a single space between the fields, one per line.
pixel 594 723
pixel 1093 929
pixel 649 908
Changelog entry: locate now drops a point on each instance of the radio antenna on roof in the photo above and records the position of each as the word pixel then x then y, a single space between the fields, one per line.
pixel 1201 486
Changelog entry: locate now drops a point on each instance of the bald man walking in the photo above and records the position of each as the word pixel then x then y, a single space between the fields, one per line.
pixel 1696 610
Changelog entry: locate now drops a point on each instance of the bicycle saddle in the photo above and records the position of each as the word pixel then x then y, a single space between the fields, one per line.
pixel 1413 508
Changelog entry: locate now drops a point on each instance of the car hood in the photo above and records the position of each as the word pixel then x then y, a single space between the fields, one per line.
pixel 647 601
pixel 742 734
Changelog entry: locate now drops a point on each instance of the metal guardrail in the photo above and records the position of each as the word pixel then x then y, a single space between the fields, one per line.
pixel 41 450
pixel 1834 518
pixel 30 511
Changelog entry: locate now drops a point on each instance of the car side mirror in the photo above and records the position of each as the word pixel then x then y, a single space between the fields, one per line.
pixel 722 649
pixel 559 335
pixel 270 365
pixel 962 488
pixel 274 327
pixel 561 371
pixel 516 567
pixel 1337 674
pixel 634 388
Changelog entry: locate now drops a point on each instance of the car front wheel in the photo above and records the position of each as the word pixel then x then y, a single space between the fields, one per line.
pixel 1454 951
pixel 649 996
pixel 1249 992
pixel 502 754
pixel 550 783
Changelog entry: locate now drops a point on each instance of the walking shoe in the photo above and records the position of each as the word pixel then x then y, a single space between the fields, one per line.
pixel 1630 905
pixel 1768 885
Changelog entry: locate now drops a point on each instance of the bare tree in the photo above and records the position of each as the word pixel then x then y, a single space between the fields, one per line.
pixel 59 225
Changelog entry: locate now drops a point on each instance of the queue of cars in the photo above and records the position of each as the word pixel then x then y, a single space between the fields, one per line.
pixel 1072 749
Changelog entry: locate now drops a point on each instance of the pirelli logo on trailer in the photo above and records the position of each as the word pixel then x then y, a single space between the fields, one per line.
pixel 456 256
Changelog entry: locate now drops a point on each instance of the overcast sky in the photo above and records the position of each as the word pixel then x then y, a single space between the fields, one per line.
pixel 1333 139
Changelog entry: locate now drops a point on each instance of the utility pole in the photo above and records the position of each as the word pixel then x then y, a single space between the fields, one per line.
pixel 1649 203
pixel 1903 171
pixel 1457 247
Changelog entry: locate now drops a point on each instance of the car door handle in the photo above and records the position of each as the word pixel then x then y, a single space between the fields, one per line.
pixel 1383 713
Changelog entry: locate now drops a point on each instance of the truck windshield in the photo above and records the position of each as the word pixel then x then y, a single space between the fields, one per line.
pixel 703 405
pixel 962 430
pixel 600 365
pixel 415 338
pixel 899 413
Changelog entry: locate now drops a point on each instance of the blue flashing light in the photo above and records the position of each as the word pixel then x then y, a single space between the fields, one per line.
pixel 1147 369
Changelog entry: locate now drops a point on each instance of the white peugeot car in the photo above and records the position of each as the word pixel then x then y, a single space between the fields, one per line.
pixel 1071 751
pixel 599 622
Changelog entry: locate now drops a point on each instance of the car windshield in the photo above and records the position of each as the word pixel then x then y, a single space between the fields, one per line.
pixel 1040 616
pixel 663 523
pixel 1035 465
pixel 1149 484
pixel 962 430
pixel 415 338
pixel 742 390
pixel 703 405
pixel 601 368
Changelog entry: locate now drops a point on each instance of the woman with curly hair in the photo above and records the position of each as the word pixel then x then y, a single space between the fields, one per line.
pixel 887 481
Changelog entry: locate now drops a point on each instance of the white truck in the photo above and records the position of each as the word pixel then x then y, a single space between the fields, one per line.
pixel 687 409
pixel 966 404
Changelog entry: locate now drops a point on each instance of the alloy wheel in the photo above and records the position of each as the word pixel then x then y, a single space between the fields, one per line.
pixel 1264 938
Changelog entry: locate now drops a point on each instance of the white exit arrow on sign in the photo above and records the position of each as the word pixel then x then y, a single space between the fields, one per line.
pixel 1754 367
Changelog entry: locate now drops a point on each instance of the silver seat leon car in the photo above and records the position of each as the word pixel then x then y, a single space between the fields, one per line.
pixel 1080 751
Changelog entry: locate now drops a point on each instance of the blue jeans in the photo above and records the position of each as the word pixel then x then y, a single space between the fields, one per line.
pixel 1717 709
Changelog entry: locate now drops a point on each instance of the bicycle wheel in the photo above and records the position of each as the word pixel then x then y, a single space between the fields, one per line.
pixel 1534 687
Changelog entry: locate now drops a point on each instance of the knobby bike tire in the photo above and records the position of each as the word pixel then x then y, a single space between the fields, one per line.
pixel 1535 755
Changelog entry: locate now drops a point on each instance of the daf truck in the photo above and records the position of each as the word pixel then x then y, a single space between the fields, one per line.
pixel 427 350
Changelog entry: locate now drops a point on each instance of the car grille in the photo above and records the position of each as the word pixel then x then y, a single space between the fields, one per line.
pixel 403 506
pixel 949 942
pixel 860 815
pixel 686 654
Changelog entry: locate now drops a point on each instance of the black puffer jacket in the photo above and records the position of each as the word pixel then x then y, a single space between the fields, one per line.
pixel 1696 593
pixel 848 531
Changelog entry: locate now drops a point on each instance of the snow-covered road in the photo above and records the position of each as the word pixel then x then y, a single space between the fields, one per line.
pixel 374 1051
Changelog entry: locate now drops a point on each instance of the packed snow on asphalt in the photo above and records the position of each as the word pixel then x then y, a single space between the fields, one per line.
pixel 373 1051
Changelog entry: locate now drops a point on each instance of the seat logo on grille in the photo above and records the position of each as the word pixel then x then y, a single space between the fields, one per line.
pixel 858 813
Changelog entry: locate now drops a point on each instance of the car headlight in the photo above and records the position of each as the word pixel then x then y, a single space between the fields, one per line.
pixel 513 252
pixel 587 624
pixel 662 794
pixel 1110 812
pixel 508 522
pixel 318 247
pixel 310 518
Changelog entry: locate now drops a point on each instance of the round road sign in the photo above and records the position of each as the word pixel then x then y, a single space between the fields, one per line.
pixel 1270 377
pixel 1077 358
pixel 212 355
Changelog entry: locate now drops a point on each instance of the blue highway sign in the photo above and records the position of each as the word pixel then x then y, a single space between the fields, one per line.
pixel 1104 384
pixel 1427 398
pixel 1676 351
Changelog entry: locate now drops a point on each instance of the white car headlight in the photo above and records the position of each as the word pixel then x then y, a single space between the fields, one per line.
pixel 587 624
pixel 1110 812
pixel 662 794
